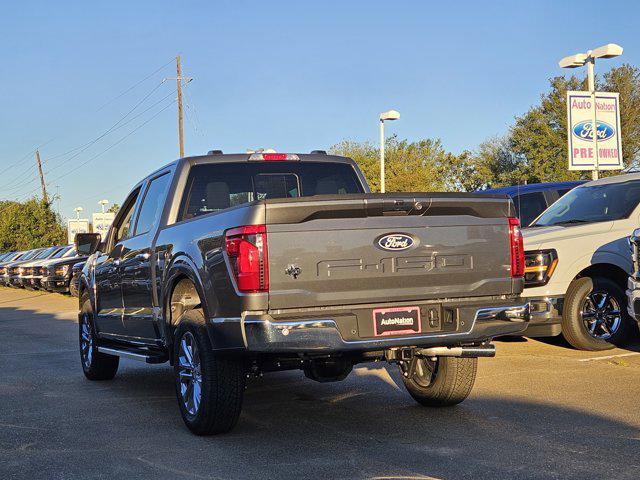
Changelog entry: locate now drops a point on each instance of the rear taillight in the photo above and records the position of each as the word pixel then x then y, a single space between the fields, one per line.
pixel 517 248
pixel 247 250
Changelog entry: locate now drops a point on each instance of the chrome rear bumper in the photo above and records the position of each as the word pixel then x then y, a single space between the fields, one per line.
pixel 262 334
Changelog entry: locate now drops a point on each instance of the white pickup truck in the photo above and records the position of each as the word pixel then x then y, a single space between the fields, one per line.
pixel 578 263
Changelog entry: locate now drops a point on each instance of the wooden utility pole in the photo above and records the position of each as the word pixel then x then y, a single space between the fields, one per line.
pixel 44 185
pixel 179 83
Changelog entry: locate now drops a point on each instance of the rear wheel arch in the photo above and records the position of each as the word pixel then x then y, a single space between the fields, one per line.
pixel 182 291
pixel 184 296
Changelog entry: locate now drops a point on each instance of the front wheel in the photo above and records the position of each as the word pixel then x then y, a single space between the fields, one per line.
pixel 595 316
pixel 73 286
pixel 95 365
pixel 209 386
pixel 443 382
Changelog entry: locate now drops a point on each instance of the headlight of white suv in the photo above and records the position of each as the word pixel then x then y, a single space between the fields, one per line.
pixel 539 266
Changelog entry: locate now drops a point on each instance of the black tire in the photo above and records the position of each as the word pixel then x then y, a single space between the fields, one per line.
pixel 95 365
pixel 441 383
pixel 219 379
pixel 73 286
pixel 576 305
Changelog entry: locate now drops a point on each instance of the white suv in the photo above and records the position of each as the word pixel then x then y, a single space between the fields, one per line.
pixel 578 264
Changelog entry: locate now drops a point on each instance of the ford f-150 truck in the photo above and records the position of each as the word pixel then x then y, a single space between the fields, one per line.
pixel 228 266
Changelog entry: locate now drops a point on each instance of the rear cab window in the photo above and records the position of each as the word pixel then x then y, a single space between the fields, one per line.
pixel 214 187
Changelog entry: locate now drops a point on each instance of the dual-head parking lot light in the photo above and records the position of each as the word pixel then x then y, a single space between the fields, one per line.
pixel 389 115
pixel 609 50
pixel 103 204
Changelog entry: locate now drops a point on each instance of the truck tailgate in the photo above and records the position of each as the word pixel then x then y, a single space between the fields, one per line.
pixel 372 248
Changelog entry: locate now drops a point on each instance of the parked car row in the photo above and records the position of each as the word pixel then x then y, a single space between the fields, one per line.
pixel 49 269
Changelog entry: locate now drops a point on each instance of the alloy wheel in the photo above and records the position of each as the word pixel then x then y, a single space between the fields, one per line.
pixel 86 341
pixel 421 370
pixel 601 314
pixel 189 374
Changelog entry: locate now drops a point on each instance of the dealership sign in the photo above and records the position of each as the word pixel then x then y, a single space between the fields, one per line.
pixel 580 131
pixel 76 226
pixel 102 222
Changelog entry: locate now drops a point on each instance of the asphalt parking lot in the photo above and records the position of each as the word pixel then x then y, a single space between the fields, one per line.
pixel 539 410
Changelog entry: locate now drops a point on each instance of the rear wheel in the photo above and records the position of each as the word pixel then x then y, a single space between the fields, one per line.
pixel 209 387
pixel 443 382
pixel 95 365
pixel 594 315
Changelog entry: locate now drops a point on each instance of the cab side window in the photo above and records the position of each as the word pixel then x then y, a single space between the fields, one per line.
pixel 123 229
pixel 152 205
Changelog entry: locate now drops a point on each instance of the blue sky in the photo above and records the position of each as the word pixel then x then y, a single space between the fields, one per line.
pixel 293 76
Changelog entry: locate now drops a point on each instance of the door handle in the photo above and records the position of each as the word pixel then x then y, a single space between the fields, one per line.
pixel 142 256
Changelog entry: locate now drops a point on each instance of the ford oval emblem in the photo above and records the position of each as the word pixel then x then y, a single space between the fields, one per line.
pixel 395 242
pixel 584 131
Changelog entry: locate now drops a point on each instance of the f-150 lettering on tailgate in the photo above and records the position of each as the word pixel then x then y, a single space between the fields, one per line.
pixel 349 267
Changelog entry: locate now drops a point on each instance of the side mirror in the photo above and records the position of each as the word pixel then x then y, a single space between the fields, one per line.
pixel 87 243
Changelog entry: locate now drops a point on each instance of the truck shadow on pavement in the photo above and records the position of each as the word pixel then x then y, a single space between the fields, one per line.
pixel 56 424
pixel 559 341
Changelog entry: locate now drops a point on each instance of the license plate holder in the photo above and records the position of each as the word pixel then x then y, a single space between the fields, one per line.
pixel 396 321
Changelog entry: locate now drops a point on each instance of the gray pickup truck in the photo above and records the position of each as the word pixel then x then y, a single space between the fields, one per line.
pixel 228 266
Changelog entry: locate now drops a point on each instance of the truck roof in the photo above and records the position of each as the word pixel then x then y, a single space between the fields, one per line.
pixel 532 187
pixel 615 179
pixel 247 157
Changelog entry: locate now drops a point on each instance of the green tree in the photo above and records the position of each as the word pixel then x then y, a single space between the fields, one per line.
pixel 114 208
pixel 409 166
pixel 626 81
pixel 30 224
pixel 538 139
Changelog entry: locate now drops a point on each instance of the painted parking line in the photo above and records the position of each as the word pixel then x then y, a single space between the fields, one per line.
pixel 607 357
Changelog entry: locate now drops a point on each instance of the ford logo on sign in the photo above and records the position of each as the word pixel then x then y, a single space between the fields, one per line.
pixel 395 242
pixel 584 131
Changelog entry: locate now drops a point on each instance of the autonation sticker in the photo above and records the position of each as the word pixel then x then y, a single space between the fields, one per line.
pixel 580 131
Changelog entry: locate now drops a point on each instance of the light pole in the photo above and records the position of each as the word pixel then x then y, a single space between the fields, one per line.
pixel 609 50
pixel 103 203
pixel 78 210
pixel 388 115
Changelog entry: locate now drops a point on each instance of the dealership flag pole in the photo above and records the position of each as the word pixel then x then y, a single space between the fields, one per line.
pixel 594 123
pixel 389 115
pixel 382 185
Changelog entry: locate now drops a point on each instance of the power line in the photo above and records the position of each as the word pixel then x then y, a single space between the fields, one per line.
pixel 116 143
pixel 108 131
pixel 16 182
pixel 88 144
pixel 21 178
pixel 27 155
pixel 136 84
